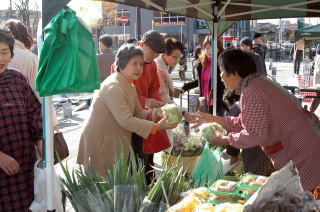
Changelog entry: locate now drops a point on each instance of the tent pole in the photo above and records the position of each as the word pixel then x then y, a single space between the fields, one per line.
pixel 48 159
pixel 214 60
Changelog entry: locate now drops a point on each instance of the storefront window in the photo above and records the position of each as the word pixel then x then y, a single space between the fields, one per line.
pixel 201 24
pixel 163 18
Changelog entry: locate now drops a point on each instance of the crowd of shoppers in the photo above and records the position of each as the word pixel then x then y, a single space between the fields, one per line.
pixel 20 130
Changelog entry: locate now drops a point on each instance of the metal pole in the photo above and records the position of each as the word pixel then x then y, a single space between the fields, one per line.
pixel 47 137
pixel 181 32
pixel 48 157
pixel 214 61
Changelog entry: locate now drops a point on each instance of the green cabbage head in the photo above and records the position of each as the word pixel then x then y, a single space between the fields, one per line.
pixel 207 130
pixel 210 130
pixel 173 113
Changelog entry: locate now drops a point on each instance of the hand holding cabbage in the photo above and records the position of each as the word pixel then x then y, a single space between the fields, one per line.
pixel 173 113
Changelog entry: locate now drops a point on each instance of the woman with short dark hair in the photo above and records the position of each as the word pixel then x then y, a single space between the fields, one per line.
pixel 20 132
pixel 116 113
pixel 271 117
pixel 167 60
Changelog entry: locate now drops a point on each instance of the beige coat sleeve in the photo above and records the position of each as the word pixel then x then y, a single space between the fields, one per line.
pixel 139 112
pixel 116 102
pixel 164 87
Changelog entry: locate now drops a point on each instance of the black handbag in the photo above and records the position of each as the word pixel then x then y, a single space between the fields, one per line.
pixel 61 150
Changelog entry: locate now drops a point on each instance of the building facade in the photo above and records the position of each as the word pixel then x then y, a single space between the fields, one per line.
pixel 188 30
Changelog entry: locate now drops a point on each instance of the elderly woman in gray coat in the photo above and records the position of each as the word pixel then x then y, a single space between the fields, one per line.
pixel 116 113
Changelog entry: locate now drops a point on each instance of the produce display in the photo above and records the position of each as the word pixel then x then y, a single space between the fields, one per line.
pixel 201 193
pixel 187 204
pixel 223 187
pixel 253 180
pixel 210 130
pixel 186 145
pixel 173 113
pixel 304 202
pixel 229 207
pixel 223 191
pixel 205 207
pixel 250 183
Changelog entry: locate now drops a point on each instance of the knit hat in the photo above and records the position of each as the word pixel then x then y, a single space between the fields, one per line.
pixel 257 35
pixel 246 41
pixel 155 41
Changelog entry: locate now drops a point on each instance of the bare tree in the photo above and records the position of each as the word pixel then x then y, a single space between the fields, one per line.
pixel 29 17
pixel 108 17
pixel 22 6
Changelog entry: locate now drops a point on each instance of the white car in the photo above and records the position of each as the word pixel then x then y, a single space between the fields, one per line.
pixel 269 43
pixel 287 46
pixel 276 45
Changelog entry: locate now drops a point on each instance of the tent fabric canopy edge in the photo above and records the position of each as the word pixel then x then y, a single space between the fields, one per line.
pixel 203 9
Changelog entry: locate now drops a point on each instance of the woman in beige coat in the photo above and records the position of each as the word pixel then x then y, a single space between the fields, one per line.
pixel 116 113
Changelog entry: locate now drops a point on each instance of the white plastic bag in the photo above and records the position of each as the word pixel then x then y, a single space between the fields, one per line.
pixel 39 203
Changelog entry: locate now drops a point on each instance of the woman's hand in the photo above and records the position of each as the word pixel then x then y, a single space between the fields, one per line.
pixel 8 164
pixel 39 147
pixel 195 119
pixel 219 140
pixel 200 118
pixel 163 124
pixel 159 114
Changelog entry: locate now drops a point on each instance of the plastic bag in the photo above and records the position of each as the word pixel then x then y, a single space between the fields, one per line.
pixel 39 203
pixel 123 198
pixel 162 207
pixel 148 206
pixel 209 168
pixel 68 62
pixel 90 200
pixel 107 198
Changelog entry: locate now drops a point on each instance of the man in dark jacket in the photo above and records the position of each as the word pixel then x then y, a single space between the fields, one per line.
pixel 106 57
pixel 258 46
pixel 246 46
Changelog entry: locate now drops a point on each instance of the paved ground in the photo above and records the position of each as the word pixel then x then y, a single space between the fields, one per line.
pixel 71 127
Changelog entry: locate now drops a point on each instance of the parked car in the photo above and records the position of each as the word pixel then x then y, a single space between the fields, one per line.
pixel 269 43
pixel 287 46
pixel 275 45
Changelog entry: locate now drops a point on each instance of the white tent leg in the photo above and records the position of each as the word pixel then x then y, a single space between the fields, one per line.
pixel 48 160
pixel 214 62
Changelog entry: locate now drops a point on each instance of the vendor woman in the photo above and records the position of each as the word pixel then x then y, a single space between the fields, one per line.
pixel 116 113
pixel 270 117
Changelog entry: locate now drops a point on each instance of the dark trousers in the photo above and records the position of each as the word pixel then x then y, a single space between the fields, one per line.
pixel 147 159
pixel 297 62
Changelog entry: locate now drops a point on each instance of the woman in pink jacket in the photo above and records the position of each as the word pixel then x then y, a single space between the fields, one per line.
pixel 270 117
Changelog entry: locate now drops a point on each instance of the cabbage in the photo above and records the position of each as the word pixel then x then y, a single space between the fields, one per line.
pixel 173 113
pixel 207 130
pixel 210 130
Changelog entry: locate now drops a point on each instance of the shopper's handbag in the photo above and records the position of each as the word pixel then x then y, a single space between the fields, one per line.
pixel 61 150
pixel 156 143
